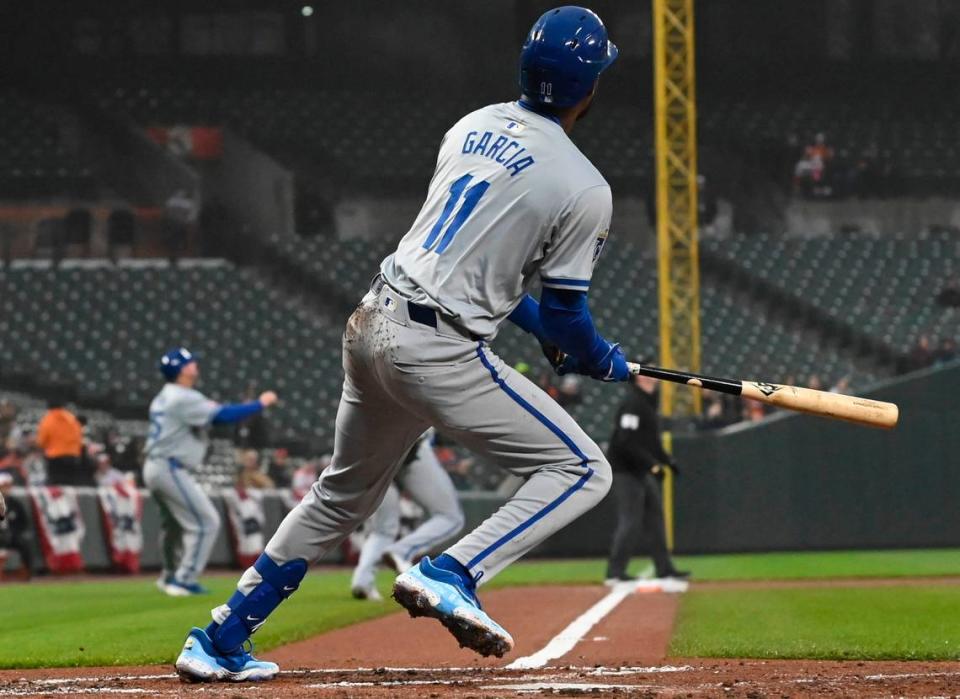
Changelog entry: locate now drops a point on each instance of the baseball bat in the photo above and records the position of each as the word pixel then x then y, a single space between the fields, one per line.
pixel 862 411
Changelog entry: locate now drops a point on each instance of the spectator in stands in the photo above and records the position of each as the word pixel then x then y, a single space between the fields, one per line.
pixel 123 450
pixel 841 386
pixel 754 410
pixel 568 393
pixel 921 356
pixel 34 465
pixel 810 171
pixel 719 410
pixel 60 436
pixel 280 470
pixel 8 417
pixel 106 475
pixel 949 295
pixel 88 453
pixel 304 477
pixel 13 462
pixel 546 383
pixel 815 382
pixel 947 351
pixel 254 433
pixel 251 475
pixel 15 530
pixel 179 216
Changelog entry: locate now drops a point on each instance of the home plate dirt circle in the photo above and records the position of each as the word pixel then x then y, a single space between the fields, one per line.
pixel 623 653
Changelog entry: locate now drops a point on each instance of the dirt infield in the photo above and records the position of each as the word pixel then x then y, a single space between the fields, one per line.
pixel 752 679
pixel 624 654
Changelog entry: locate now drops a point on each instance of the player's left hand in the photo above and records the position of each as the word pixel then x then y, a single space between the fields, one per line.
pixel 561 362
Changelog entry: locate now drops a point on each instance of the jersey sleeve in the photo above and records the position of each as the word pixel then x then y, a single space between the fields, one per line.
pixel 195 409
pixel 577 240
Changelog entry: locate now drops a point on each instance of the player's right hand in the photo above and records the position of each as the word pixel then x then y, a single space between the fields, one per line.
pixel 268 398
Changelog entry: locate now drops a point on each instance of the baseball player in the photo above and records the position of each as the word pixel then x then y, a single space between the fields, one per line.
pixel 176 444
pixel 512 202
pixel 426 481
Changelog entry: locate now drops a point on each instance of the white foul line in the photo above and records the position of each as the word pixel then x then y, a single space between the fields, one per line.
pixel 563 642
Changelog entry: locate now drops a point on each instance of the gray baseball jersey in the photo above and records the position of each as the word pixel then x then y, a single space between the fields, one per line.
pixel 512 198
pixel 179 417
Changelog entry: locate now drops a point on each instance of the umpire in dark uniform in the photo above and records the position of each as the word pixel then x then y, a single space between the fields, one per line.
pixel 638 459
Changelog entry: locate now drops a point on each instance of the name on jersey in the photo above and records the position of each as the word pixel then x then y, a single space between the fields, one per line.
pixel 505 151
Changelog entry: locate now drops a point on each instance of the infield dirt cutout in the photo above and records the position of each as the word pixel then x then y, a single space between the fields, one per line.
pixel 623 654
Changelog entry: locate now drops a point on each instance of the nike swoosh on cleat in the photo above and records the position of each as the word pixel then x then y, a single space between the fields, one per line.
pixel 288 589
pixel 252 618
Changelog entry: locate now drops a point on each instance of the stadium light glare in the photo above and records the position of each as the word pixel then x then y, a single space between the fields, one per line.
pixel 306 10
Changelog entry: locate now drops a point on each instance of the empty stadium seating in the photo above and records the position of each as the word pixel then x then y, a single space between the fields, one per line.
pixel 36 157
pixel 882 286
pixel 102 329
pixel 371 137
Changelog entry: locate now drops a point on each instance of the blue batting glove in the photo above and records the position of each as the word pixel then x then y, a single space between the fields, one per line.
pixel 613 366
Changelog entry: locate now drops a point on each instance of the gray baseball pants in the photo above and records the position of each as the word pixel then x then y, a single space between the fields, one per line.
pixel 188 518
pixel 402 376
pixel 426 481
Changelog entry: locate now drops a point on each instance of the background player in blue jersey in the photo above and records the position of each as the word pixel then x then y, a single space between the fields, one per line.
pixel 512 203
pixel 179 418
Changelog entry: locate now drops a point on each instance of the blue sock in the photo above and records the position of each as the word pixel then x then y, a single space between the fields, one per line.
pixel 451 564
pixel 212 628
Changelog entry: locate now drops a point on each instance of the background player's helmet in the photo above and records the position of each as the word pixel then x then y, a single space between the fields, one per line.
pixel 173 362
pixel 564 54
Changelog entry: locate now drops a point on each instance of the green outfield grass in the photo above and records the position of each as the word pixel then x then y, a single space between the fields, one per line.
pixel 755 566
pixel 57 624
pixel 902 623
pixel 132 623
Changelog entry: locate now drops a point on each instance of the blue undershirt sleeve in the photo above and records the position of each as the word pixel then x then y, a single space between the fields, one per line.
pixel 567 323
pixel 527 317
pixel 235 412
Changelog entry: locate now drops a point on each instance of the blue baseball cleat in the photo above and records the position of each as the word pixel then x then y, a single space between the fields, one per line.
pixel 199 661
pixel 426 590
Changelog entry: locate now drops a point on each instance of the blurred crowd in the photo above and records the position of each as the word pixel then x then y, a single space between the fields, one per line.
pixel 927 353
pixel 62 448
pixel 821 171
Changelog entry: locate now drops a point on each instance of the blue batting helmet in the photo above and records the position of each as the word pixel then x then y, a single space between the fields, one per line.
pixel 564 54
pixel 173 362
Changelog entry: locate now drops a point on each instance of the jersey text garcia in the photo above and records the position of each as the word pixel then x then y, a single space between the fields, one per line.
pixel 504 150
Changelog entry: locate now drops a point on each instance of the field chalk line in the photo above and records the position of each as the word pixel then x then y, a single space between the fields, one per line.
pixel 563 642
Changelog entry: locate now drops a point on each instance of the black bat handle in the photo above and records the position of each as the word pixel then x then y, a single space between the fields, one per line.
pixel 712 383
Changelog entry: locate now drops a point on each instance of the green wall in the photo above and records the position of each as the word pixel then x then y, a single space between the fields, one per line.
pixel 796 481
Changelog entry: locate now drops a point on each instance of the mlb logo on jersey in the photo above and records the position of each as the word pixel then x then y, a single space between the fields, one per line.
pixel 598 247
pixel 515 127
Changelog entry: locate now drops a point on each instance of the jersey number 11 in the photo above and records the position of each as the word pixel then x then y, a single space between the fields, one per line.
pixel 471 197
